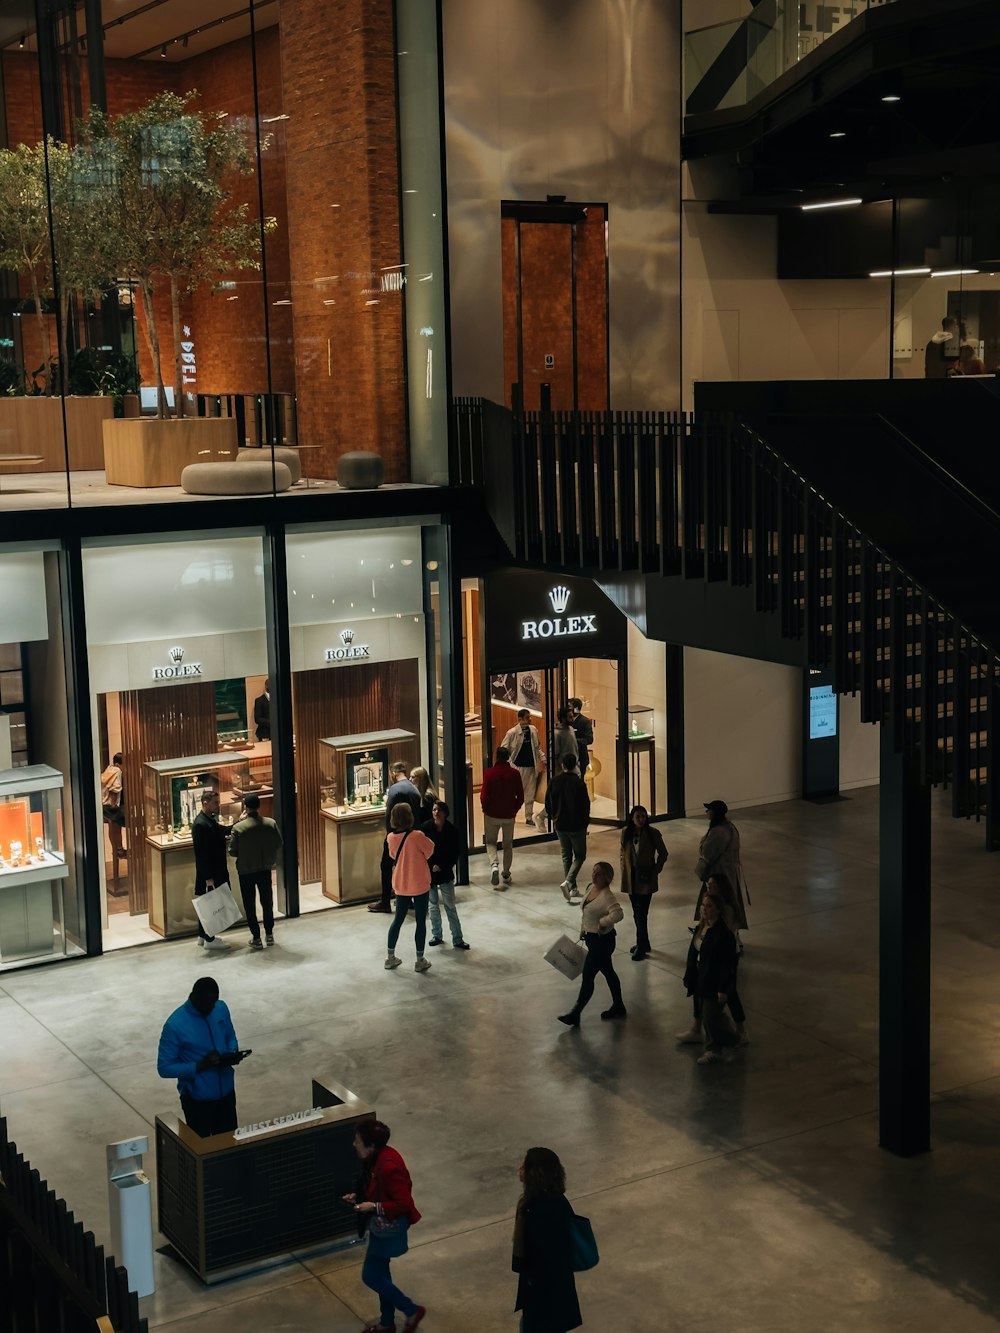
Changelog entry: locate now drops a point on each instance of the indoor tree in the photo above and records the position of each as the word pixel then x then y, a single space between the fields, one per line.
pixel 164 175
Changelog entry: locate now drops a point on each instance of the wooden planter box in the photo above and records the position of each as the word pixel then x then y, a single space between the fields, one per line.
pixel 150 452
pixel 35 426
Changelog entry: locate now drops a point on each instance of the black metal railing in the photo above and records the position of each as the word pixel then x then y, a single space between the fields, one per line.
pixel 53 1274
pixel 665 494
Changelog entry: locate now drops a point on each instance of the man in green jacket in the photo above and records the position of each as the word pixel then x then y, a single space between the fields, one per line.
pixel 254 845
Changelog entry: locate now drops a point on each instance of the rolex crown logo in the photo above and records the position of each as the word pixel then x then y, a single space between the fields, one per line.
pixel 176 655
pixel 346 636
pixel 559 597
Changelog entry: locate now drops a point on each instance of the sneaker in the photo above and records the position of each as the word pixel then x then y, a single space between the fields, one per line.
pixel 506 881
pixel 529 823
pixel 201 943
pixel 391 962
pixel 461 945
pixel 495 876
pixel 421 965
pixel 215 943
pixel 692 1037
pixel 567 890
pixel 709 1058
pixel 269 937
pixel 575 896
pixel 437 940
pixel 255 943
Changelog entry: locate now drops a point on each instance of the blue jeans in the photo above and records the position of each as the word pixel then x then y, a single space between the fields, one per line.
pixel 574 849
pixel 375 1274
pixel 445 895
pixel 403 901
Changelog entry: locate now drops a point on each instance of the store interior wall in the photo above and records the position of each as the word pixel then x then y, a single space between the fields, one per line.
pixel 581 101
pixel 742 730
pixel 742 323
pixel 595 681
pixel 647 688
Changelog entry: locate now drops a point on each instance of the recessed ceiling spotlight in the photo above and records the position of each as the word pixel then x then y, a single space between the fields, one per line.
pixel 838 134
pixel 830 203
pixel 163 52
pixel 892 97
pixel 21 42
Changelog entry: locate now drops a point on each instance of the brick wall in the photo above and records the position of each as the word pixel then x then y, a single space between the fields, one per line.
pixel 343 215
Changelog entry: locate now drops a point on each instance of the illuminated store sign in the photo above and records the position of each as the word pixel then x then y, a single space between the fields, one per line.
pixel 178 669
pixel 557 627
pixel 349 651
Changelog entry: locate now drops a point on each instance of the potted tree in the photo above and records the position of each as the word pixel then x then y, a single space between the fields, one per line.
pixel 164 175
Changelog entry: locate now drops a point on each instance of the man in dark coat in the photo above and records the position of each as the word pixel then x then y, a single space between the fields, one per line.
pixel 211 867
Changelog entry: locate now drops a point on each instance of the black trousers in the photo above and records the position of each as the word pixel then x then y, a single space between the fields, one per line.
pixel 210 1117
pixel 385 871
pixel 640 914
pixel 599 951
pixel 258 881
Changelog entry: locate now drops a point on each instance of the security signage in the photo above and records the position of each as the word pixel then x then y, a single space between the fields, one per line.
pixel 349 651
pixel 534 618
pixel 178 668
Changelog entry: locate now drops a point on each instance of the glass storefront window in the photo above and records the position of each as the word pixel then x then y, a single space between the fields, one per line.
pixel 180 703
pixel 41 899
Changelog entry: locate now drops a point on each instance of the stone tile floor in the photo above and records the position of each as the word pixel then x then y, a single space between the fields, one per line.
pixel 752 1194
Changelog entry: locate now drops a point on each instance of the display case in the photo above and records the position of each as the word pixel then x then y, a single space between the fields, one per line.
pixel 640 722
pixel 171 790
pixel 352 807
pixel 32 859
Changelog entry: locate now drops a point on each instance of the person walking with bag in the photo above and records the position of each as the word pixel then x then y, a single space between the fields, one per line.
pixel 643 855
pixel 543 1247
pixel 209 839
pixel 409 852
pixel 384 1203
pixel 601 912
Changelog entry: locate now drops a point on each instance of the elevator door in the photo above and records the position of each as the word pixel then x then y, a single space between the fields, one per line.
pixel 555 302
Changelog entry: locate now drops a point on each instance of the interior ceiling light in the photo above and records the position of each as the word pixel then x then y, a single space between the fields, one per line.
pixel 892 97
pixel 898 272
pixel 830 203
pixel 953 272
pixel 838 134
pixel 21 42
pixel 163 53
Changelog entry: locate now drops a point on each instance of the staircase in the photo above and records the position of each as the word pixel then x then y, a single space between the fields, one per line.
pixel 703 532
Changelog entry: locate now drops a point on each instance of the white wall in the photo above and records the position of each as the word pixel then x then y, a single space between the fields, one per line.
pixel 742 323
pixel 859 742
pixel 742 730
pixel 581 100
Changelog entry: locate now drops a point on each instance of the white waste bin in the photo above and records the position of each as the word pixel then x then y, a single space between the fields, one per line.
pixel 131 1207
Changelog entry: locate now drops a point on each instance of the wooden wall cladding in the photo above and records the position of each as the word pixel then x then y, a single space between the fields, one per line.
pixel 166 723
pixel 345 701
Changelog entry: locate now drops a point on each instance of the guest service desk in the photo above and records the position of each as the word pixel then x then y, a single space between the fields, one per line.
pixel 228 1203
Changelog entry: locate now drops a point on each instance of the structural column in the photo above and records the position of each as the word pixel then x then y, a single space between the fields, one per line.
pixel 904 952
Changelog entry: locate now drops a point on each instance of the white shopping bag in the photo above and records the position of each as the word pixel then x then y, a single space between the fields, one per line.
pixel 567 957
pixel 217 909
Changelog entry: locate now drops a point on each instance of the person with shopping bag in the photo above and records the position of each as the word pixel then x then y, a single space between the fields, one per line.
pixel 601 912
pixel 211 868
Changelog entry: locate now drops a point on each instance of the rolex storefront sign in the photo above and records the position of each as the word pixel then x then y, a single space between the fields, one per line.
pixel 177 668
pixel 532 620
pixel 347 648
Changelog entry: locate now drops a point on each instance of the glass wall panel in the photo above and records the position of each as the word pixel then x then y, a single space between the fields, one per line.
pixel 41 905
pixel 362 676
pixel 181 706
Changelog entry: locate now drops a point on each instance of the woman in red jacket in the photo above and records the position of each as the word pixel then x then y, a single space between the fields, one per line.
pixel 385 1202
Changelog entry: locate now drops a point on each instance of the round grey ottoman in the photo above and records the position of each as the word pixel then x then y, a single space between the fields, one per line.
pixel 283 453
pixel 253 478
pixel 360 471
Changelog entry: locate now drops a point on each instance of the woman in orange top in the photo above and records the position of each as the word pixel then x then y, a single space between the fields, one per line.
pixel 409 852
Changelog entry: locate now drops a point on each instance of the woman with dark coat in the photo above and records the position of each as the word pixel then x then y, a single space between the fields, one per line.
pixel 385 1208
pixel 644 855
pixel 710 977
pixel 543 1247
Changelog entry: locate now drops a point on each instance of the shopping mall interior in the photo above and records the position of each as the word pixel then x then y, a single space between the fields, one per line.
pixel 641 355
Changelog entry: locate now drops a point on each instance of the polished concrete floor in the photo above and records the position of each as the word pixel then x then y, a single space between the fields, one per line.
pixel 752 1195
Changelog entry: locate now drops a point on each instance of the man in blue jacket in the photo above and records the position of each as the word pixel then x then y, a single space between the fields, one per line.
pixel 198 1048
